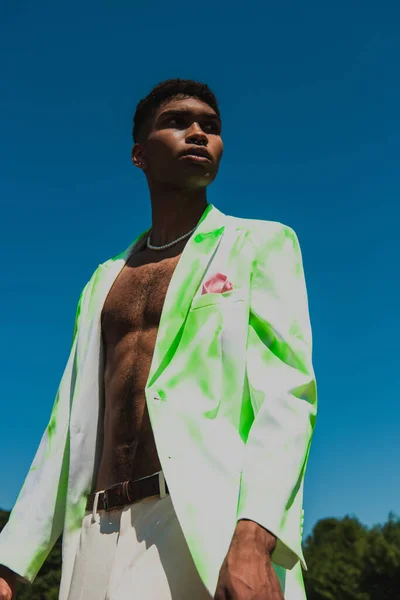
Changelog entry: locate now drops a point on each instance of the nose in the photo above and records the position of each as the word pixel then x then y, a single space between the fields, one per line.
pixel 196 135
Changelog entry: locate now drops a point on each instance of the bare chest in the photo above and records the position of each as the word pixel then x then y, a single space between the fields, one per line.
pixel 130 319
pixel 136 299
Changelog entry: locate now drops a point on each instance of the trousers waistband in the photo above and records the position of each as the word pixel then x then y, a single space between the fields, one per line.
pixel 128 492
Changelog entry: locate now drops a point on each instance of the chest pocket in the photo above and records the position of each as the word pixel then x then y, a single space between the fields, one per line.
pixel 226 299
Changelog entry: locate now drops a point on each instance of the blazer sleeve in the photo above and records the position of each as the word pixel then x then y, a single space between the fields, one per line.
pixel 37 519
pixel 283 393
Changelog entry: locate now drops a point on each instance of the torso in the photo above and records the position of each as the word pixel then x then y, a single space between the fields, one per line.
pixel 130 319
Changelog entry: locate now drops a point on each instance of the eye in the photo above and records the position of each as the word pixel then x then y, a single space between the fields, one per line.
pixel 212 128
pixel 175 120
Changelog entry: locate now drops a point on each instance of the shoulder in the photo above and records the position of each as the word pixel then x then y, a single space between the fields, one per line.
pixel 263 233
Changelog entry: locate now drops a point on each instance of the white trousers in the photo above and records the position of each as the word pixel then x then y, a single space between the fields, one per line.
pixel 136 552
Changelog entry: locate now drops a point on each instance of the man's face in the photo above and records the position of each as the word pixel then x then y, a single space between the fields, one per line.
pixel 179 127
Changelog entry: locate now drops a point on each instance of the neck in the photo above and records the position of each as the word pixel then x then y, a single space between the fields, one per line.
pixel 174 213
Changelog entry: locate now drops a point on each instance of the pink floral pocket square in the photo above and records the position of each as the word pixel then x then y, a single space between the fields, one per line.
pixel 217 284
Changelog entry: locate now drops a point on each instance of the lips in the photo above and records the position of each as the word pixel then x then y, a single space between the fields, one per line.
pixel 197 152
pixel 196 159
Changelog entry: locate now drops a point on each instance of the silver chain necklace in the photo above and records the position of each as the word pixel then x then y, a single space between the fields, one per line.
pixel 170 244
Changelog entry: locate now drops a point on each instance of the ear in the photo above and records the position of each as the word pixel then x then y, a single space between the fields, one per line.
pixel 138 158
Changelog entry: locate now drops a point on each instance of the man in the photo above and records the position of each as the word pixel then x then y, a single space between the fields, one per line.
pixel 175 454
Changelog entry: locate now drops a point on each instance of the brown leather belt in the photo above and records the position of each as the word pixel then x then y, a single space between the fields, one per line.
pixel 126 493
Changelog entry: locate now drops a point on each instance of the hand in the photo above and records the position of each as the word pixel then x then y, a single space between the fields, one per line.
pixel 8 580
pixel 247 574
pixel 6 592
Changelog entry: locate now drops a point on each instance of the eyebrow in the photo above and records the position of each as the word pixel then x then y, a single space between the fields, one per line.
pixel 186 112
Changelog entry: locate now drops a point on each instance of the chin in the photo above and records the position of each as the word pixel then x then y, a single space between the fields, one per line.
pixel 187 180
pixel 198 181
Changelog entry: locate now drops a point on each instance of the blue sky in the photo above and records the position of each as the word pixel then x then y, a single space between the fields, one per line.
pixel 309 97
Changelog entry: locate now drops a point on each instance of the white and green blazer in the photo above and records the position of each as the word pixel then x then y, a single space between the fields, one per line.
pixel 231 395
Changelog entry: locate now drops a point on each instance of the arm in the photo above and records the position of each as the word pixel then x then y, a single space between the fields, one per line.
pixel 284 399
pixel 37 518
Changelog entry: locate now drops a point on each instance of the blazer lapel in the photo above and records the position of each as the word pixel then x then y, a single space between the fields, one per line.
pixel 184 283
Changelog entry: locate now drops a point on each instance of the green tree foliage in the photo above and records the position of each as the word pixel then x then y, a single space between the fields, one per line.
pixel 381 573
pixel 3 518
pixel 346 561
pixel 335 554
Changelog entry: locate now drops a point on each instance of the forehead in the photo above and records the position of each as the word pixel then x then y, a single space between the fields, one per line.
pixel 194 105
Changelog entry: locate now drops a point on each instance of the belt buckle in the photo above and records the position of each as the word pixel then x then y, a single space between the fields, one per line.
pixel 105 500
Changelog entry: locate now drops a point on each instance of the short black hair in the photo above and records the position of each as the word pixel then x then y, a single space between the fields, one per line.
pixel 165 91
